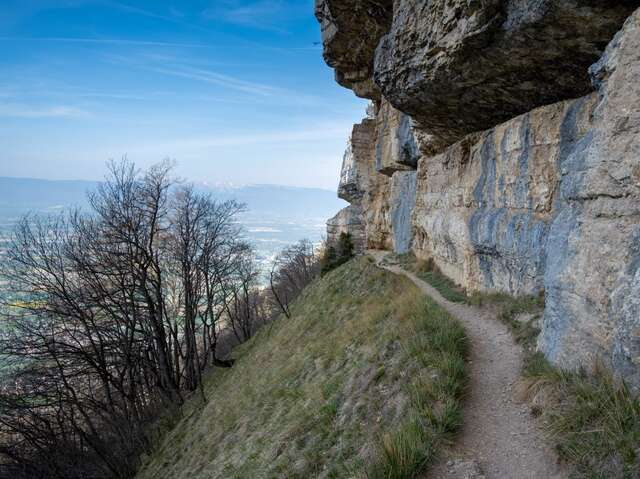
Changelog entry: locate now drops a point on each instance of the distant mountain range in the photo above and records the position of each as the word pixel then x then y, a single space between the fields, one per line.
pixel 21 195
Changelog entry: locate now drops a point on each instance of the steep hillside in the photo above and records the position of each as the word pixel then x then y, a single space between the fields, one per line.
pixel 365 378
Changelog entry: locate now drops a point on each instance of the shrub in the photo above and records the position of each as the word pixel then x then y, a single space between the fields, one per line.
pixel 339 254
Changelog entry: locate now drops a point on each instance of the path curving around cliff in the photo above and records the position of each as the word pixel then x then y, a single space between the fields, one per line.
pixel 498 432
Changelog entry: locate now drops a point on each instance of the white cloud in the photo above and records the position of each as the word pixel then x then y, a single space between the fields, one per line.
pixel 22 111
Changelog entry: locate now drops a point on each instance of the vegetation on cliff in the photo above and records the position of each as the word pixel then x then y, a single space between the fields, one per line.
pixel 364 379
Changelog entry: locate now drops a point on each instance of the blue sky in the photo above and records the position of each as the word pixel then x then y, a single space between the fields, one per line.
pixel 233 90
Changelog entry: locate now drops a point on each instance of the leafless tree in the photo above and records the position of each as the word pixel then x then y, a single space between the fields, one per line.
pixel 293 269
pixel 114 314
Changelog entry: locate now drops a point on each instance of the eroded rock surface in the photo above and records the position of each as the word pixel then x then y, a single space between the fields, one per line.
pixel 349 220
pixel 402 204
pixel 366 190
pixel 396 144
pixel 459 66
pixel 351 31
pixel 453 163
pixel 484 206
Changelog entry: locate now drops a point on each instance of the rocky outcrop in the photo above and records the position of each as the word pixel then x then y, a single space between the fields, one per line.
pixel 459 66
pixel 396 144
pixel 499 154
pixel 365 190
pixel 350 221
pixel 386 200
pixel 351 31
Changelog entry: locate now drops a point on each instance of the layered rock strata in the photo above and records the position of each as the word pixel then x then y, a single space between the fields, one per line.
pixel 459 166
pixel 459 66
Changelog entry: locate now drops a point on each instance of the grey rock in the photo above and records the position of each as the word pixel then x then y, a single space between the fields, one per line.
pixel 453 163
pixel 351 31
pixel 592 278
pixel 365 188
pixel 396 144
pixel 459 66
pixel 403 200
pixel 348 220
pixel 355 164
pixel 484 206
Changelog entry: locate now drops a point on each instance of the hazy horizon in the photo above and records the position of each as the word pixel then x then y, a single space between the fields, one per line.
pixel 203 182
pixel 235 91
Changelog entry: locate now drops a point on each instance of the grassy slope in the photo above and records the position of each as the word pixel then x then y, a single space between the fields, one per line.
pixel 363 381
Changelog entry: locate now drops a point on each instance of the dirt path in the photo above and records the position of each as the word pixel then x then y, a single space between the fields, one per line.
pixel 498 432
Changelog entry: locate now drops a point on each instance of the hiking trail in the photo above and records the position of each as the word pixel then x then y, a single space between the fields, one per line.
pixel 499 434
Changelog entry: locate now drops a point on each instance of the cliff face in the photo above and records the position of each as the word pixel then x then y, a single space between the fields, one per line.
pixel 504 143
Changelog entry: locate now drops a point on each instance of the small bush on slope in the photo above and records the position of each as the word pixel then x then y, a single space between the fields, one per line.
pixel 337 255
pixel 364 380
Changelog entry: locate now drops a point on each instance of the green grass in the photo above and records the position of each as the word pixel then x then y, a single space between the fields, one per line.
pixel 521 314
pixel 447 288
pixel 509 308
pixel 429 272
pixel 593 420
pixel 364 380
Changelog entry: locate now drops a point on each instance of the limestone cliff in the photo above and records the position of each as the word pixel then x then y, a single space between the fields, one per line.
pixel 504 144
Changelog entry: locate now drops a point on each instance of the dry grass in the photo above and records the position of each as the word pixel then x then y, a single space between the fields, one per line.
pixel 593 419
pixel 363 381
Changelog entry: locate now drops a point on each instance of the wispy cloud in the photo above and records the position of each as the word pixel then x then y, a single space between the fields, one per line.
pixel 260 14
pixel 107 41
pixel 173 16
pixel 23 111
pixel 139 11
pixel 176 13
pixel 219 79
pixel 172 66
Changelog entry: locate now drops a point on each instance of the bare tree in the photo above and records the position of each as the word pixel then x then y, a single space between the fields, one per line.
pixel 115 314
pixel 292 270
